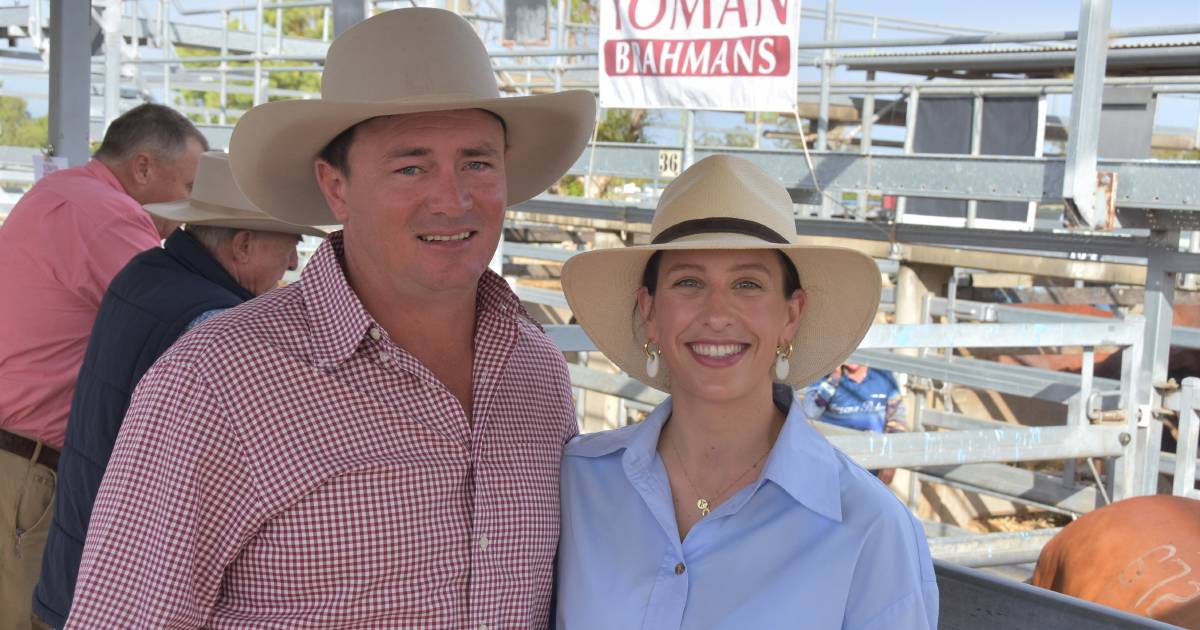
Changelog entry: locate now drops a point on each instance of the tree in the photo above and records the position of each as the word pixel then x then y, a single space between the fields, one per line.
pixel 618 125
pixel 296 22
pixel 1175 154
pixel 18 128
pixel 622 125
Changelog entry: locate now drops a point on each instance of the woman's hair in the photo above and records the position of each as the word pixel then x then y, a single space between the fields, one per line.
pixel 791 279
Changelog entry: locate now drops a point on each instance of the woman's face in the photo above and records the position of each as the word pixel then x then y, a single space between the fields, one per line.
pixel 717 317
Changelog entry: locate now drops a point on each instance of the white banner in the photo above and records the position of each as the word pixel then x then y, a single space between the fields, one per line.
pixel 700 54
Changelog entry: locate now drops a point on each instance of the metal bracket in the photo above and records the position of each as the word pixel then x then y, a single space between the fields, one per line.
pixel 1106 192
pixel 1144 414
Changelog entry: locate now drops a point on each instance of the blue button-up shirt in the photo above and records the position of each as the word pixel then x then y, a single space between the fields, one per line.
pixel 817 542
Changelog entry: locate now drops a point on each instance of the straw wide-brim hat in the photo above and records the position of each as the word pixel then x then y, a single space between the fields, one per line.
pixel 216 201
pixel 727 203
pixel 406 61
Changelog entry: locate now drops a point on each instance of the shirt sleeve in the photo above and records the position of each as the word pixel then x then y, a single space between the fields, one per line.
pixel 174 509
pixel 107 248
pixel 894 585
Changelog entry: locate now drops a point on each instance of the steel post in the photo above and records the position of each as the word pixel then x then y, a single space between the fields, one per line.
pixel 223 116
pixel 910 136
pixel 913 283
pixel 689 139
pixel 868 132
pixel 70 80
pixel 164 12
pixel 278 31
pixel 976 143
pixel 113 10
pixel 259 96
pixel 1159 312
pixel 1189 433
pixel 1079 181
pixel 560 41
pixel 347 13
pixel 826 77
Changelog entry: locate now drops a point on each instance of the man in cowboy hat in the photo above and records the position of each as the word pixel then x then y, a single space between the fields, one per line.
pixel 229 252
pixel 379 443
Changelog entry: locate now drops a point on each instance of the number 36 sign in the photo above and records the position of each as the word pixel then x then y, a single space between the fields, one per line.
pixel 669 163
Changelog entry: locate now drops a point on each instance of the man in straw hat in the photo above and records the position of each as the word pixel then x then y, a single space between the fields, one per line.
pixel 379 443
pixel 229 252
pixel 734 512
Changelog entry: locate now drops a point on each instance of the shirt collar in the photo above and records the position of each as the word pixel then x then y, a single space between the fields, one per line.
pixel 184 248
pixel 802 462
pixel 339 321
pixel 101 171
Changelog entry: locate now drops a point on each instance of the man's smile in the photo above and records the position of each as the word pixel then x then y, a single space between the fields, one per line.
pixel 458 236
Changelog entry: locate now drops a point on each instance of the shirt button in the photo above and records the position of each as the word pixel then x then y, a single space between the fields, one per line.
pixel 484 542
pixel 679 569
pixel 383 356
pixel 483 626
pixel 375 333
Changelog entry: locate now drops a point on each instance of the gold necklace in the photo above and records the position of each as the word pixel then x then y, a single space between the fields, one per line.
pixel 702 503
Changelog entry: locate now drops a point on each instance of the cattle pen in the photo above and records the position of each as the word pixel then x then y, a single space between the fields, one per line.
pixel 1041 305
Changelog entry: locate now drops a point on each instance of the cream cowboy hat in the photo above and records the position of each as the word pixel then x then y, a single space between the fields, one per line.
pixel 216 201
pixel 402 62
pixel 727 203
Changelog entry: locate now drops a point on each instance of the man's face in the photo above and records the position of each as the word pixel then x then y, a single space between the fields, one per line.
pixel 423 204
pixel 268 255
pixel 171 179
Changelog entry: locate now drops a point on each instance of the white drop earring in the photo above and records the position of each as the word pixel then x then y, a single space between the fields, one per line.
pixel 783 365
pixel 651 360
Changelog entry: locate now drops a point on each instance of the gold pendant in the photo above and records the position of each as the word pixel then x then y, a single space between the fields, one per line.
pixel 702 505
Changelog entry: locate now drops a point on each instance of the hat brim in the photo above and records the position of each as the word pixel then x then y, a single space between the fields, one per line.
pixel 274 145
pixel 185 211
pixel 842 295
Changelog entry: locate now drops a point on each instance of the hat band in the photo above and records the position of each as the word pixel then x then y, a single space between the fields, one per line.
pixel 220 209
pixel 718 225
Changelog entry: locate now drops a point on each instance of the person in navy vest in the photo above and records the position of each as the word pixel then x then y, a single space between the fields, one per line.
pixel 229 252
pixel 858 397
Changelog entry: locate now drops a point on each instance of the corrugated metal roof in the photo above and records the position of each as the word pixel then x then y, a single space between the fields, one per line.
pixel 1150 59
pixel 1017 50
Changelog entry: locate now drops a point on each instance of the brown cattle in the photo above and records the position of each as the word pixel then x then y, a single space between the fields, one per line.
pixel 1141 555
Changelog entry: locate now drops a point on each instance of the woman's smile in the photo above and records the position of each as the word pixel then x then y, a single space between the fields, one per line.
pixel 717 354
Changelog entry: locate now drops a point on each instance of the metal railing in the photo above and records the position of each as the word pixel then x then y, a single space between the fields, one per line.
pixel 974 600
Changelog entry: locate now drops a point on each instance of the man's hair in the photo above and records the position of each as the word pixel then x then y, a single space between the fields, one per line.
pixel 337 152
pixel 157 129
pixel 211 237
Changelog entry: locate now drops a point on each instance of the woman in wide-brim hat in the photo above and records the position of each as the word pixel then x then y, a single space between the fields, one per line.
pixel 725 508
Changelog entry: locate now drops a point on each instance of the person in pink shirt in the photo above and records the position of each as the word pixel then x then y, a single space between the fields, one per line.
pixel 59 248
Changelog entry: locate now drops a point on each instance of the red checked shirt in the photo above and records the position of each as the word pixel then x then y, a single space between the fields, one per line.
pixel 285 465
